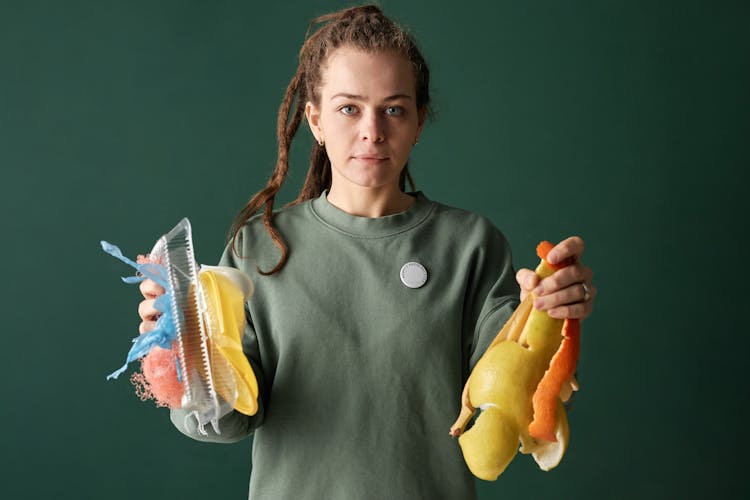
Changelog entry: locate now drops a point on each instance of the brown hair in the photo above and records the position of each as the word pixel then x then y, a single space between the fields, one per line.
pixel 365 28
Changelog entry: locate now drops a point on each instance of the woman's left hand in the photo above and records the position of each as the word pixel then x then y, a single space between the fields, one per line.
pixel 568 293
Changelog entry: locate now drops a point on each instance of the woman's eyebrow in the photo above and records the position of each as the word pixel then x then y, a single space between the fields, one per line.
pixel 360 98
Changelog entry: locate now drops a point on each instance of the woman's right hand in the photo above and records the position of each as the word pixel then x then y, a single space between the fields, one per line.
pixel 146 310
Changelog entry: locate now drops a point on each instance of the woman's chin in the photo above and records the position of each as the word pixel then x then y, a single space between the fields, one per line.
pixel 372 178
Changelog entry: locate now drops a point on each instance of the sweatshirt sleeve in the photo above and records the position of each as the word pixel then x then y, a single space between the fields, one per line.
pixel 497 295
pixel 234 426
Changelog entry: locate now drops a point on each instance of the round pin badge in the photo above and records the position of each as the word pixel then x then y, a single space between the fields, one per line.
pixel 413 274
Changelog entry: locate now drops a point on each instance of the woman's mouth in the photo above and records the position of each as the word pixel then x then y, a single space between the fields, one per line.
pixel 371 158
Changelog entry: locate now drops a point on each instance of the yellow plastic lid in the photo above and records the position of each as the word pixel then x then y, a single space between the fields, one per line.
pixel 225 323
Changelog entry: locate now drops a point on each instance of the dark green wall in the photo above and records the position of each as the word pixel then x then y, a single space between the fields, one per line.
pixel 623 121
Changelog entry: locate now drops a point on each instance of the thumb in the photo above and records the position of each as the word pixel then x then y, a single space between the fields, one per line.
pixel 527 280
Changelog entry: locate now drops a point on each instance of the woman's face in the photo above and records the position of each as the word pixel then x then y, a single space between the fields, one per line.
pixel 367 116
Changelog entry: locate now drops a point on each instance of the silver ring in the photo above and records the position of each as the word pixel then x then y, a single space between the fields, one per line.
pixel 586 292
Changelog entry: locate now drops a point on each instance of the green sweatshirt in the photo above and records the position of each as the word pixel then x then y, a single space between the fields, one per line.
pixel 361 346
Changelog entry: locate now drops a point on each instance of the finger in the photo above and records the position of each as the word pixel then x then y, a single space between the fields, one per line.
pixel 527 279
pixel 579 310
pixel 568 248
pixel 562 297
pixel 563 278
pixel 146 326
pixel 150 289
pixel 568 295
pixel 147 311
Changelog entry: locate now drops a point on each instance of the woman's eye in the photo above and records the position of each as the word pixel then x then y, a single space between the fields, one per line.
pixel 348 110
pixel 394 110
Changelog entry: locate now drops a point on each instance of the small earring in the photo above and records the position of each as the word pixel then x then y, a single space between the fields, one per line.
pixel 416 141
pixel 320 143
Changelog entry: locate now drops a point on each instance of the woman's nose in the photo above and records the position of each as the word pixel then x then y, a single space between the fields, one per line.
pixel 371 127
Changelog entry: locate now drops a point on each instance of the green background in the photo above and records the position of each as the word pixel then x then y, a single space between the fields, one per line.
pixel 623 121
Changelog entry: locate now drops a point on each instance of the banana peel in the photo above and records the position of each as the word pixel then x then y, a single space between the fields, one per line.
pixel 519 384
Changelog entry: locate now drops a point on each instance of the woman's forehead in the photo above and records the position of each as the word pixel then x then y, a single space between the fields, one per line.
pixel 367 75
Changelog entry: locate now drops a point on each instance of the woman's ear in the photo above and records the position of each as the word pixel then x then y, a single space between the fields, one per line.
pixel 312 114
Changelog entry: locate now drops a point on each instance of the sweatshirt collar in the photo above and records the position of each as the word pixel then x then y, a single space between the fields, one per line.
pixel 371 227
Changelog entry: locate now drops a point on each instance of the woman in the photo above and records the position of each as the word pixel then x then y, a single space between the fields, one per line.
pixel 371 304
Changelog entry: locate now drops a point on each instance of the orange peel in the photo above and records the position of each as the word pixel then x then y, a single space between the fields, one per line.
pixel 561 369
